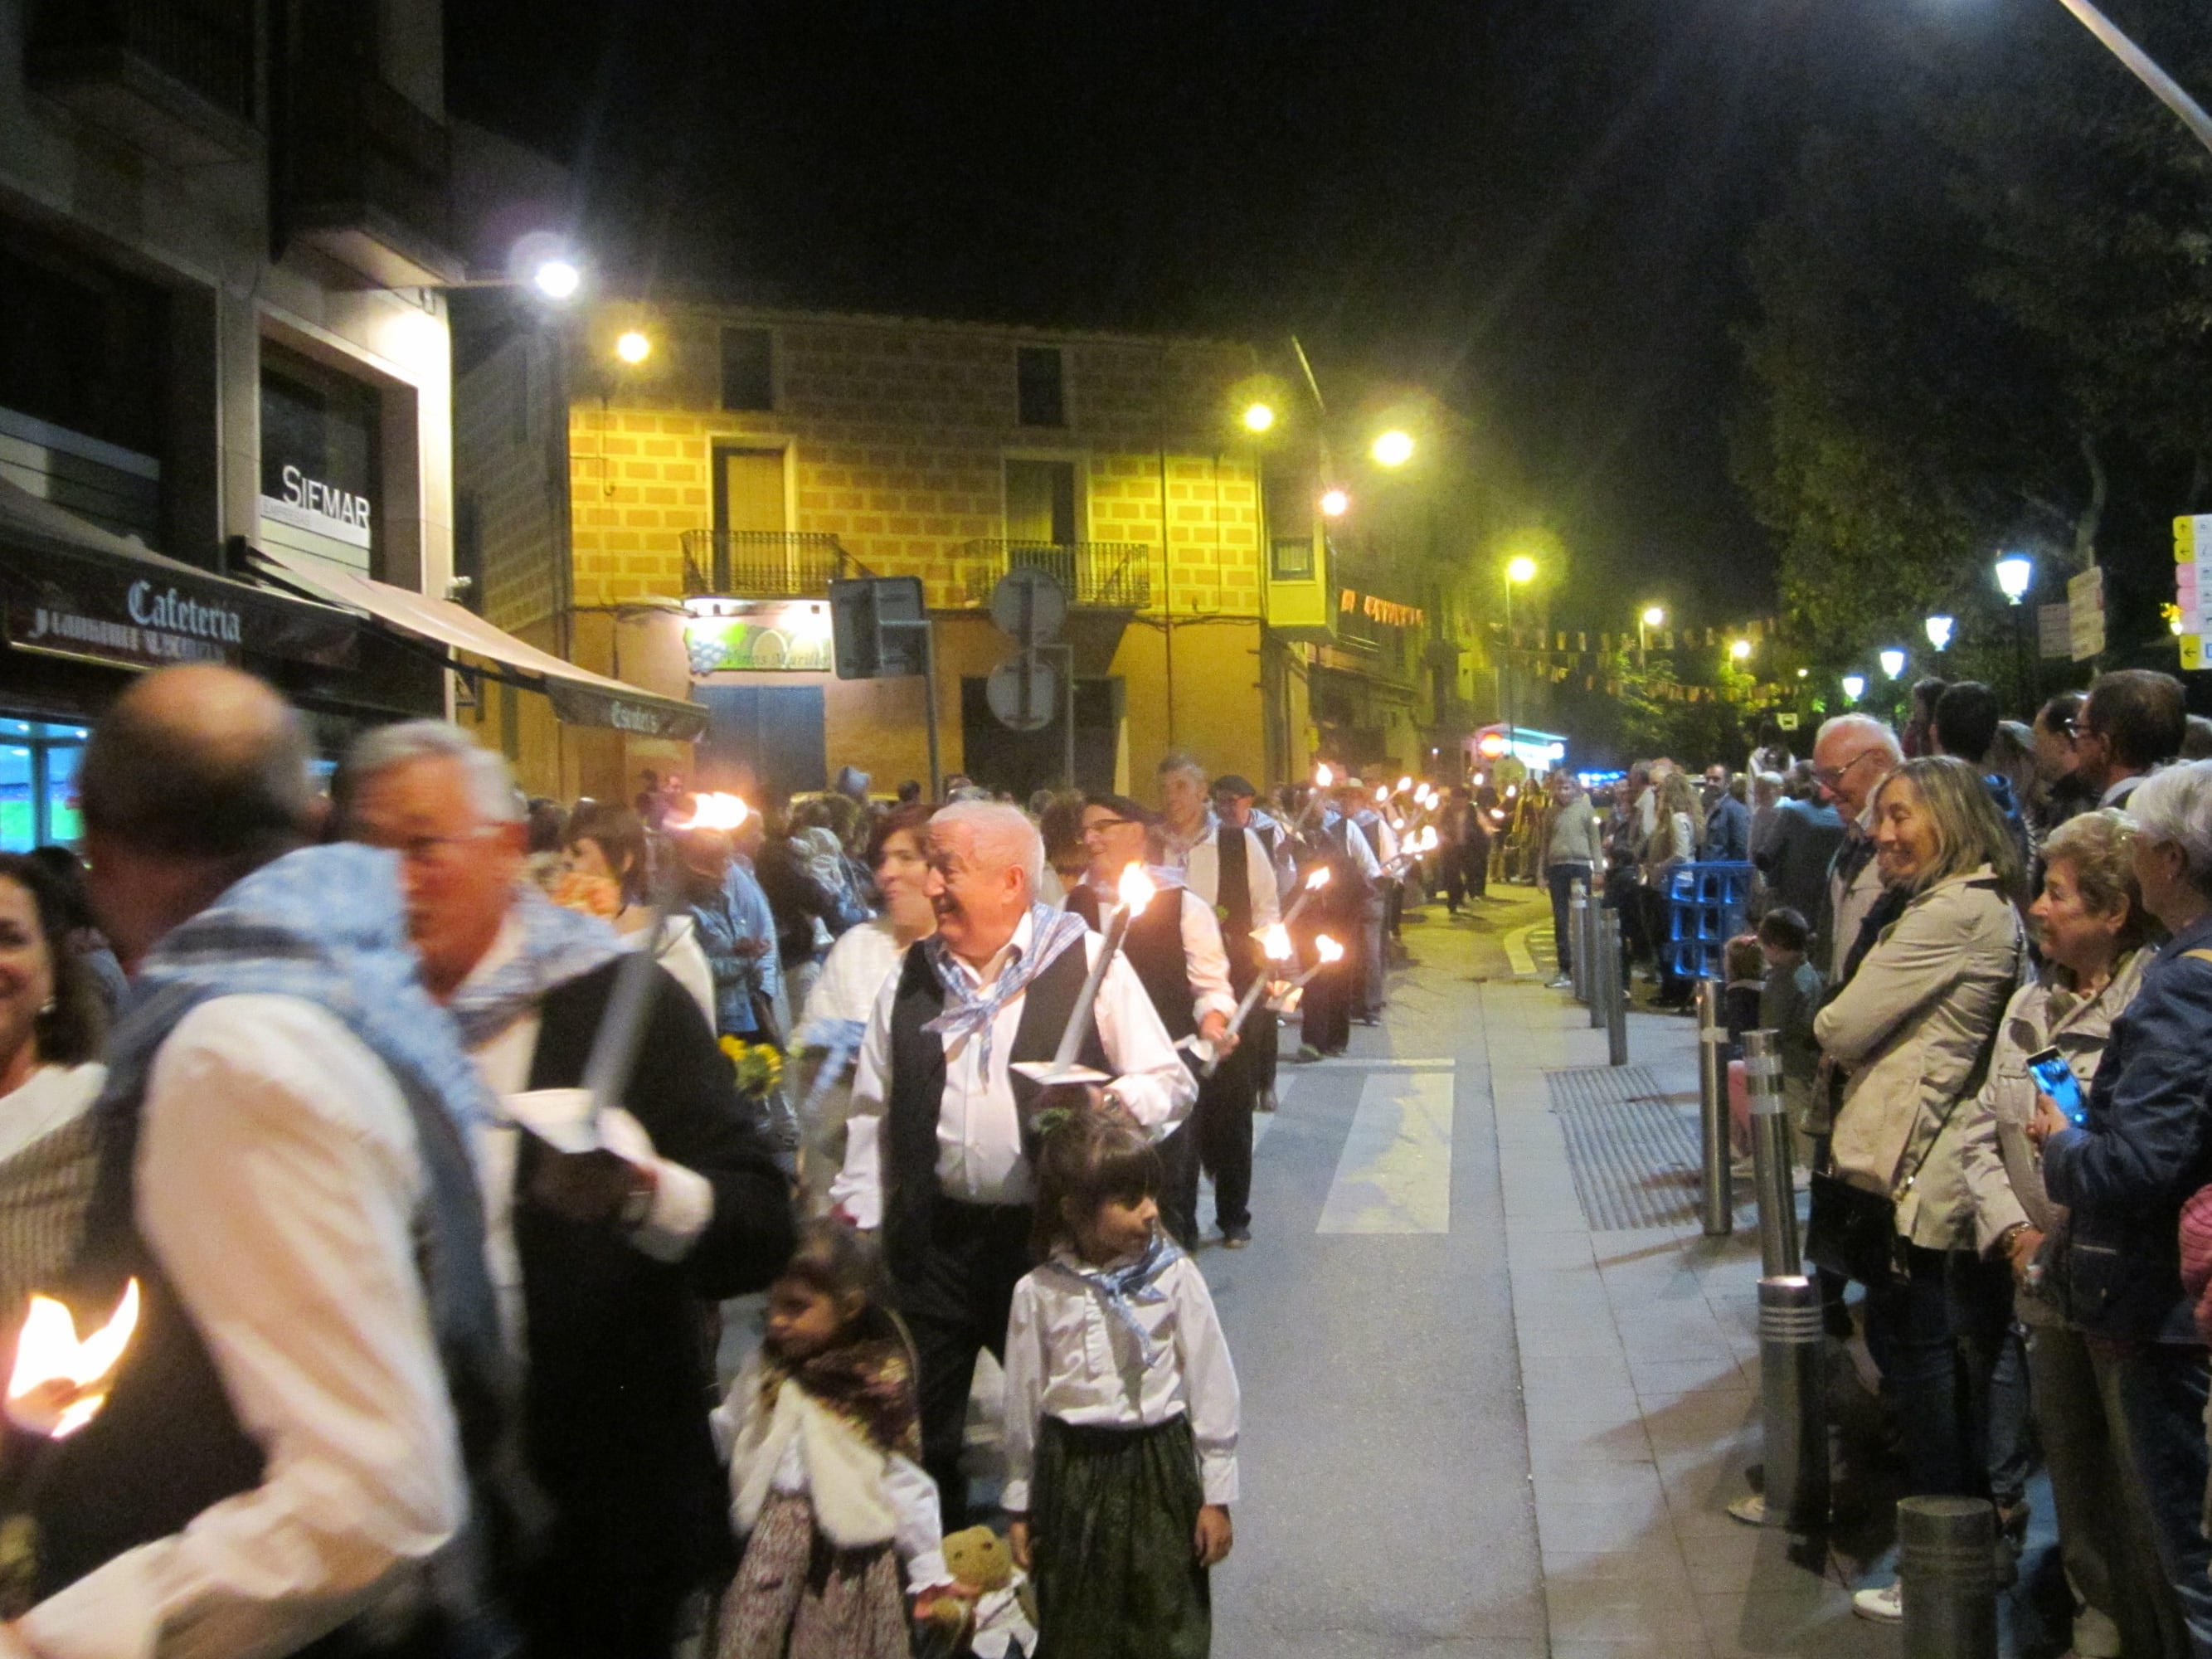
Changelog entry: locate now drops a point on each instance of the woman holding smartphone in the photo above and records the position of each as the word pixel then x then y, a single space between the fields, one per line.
pixel 2125 1175
pixel 2094 932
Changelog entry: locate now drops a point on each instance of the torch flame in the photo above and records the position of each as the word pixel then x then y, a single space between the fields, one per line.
pixel 714 812
pixel 58 1382
pixel 1134 890
pixel 1318 879
pixel 1328 949
pixel 1323 777
pixel 1405 783
pixel 1381 794
pixel 1428 839
pixel 1276 942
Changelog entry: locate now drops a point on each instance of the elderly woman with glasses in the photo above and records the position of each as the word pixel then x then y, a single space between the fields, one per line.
pixel 2144 1146
pixel 1913 1029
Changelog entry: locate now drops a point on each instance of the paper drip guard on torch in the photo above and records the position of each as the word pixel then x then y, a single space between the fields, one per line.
pixel 1133 894
pixel 1330 953
pixel 1275 942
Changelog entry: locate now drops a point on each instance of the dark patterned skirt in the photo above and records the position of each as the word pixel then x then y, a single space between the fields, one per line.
pixel 799 1596
pixel 1113 1524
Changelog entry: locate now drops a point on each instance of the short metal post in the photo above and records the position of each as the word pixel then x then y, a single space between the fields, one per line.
pixel 1769 1155
pixel 1793 1398
pixel 1599 985
pixel 1716 1207
pixel 1577 916
pixel 1947 1557
pixel 1616 999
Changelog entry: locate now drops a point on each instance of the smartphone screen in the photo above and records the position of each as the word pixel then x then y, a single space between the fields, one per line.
pixel 2056 1079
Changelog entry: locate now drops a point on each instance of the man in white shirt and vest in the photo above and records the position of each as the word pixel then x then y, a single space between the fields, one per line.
pixel 1236 804
pixel 1229 869
pixel 283 1462
pixel 947 1175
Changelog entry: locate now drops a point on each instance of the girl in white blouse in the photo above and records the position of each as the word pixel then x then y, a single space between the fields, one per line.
pixel 1122 1408
pixel 824 1441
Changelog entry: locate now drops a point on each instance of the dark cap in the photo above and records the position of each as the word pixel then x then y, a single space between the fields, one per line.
pixel 1230 784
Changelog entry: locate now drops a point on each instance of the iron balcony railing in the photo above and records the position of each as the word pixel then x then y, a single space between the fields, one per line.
pixel 1103 576
pixel 205 44
pixel 764 564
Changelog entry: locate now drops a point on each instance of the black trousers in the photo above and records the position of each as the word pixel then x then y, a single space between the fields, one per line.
pixel 1223 1122
pixel 1179 1159
pixel 955 1289
pixel 1466 870
pixel 1328 1006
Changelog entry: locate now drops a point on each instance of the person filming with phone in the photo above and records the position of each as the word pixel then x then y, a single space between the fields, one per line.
pixel 2124 1174
pixel 2097 939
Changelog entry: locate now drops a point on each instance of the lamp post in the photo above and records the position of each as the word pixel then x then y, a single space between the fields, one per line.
pixel 1520 569
pixel 1650 617
pixel 2016 575
pixel 2145 69
pixel 1854 686
pixel 1940 630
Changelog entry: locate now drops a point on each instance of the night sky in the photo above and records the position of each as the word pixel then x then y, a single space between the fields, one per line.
pixel 1535 207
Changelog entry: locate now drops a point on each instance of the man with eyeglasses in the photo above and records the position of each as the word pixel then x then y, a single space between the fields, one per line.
pixel 1851 756
pixel 600 1260
pixel 2131 723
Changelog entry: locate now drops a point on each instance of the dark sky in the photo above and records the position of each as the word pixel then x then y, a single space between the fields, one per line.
pixel 1535 207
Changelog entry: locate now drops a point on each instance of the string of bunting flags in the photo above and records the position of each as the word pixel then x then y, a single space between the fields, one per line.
pixel 1560 655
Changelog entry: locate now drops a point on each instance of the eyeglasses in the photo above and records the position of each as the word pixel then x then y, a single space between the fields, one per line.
pixel 1106 824
pixel 1829 776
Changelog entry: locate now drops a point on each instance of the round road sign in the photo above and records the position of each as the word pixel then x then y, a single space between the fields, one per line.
pixel 1023 691
pixel 1029 604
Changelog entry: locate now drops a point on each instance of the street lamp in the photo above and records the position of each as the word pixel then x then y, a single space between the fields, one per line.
pixel 2015 573
pixel 1893 661
pixel 1335 503
pixel 1652 616
pixel 1393 449
pixel 633 348
pixel 556 279
pixel 1258 417
pixel 1854 686
pixel 1740 650
pixel 1939 631
pixel 1519 569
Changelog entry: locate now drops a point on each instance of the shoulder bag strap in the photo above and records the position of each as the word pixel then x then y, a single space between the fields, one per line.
pixel 1975 1078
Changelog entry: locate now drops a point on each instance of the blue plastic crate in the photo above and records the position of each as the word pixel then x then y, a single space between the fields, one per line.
pixel 1707 905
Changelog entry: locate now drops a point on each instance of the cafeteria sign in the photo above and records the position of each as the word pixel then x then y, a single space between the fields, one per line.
pixel 91 611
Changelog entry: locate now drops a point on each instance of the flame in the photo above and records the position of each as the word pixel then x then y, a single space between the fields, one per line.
pixel 1276 942
pixel 714 812
pixel 1405 783
pixel 1428 839
pixel 1328 949
pixel 1135 889
pixel 1323 777
pixel 1318 879
pixel 1381 794
pixel 56 1376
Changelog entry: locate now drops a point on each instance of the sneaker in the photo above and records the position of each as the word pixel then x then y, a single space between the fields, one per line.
pixel 1564 982
pixel 1264 1100
pixel 1750 1508
pixel 1885 1606
pixel 1306 1055
pixel 1236 1239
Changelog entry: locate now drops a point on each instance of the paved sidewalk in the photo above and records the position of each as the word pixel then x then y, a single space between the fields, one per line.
pixel 1640 1368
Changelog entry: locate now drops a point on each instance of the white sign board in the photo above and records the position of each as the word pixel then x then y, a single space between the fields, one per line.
pixel 1023 691
pixel 2054 631
pixel 1030 605
pixel 2085 604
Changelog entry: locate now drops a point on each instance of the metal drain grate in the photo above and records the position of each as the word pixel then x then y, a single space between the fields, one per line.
pixel 1633 1148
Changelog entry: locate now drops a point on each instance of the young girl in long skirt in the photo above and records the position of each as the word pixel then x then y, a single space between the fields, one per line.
pixel 826 1484
pixel 1121 1409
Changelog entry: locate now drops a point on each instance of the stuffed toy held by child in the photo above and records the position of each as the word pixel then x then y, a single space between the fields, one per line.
pixel 991 1590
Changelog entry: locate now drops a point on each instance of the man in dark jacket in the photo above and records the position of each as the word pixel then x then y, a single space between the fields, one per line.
pixel 602 1257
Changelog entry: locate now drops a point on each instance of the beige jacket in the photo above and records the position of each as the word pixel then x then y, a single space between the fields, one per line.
pixel 1909 1030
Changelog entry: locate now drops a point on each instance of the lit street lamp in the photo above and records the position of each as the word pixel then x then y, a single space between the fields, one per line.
pixel 1893 661
pixel 2016 575
pixel 1940 630
pixel 1393 449
pixel 1854 686
pixel 1259 418
pixel 1520 569
pixel 633 348
pixel 1335 503
pixel 1740 650
pixel 557 279
pixel 1652 616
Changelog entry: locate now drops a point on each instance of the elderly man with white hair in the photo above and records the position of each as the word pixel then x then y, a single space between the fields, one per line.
pixel 941 1130
pixel 1851 754
pixel 602 1259
pixel 2124 1170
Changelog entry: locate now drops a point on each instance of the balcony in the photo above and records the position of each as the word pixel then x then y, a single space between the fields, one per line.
pixel 172 78
pixel 1095 575
pixel 764 564
pixel 366 174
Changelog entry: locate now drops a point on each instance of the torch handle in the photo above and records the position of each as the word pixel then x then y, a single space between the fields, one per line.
pixel 1079 1022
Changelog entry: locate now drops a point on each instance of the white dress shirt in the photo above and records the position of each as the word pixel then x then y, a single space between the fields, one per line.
pixel 1206 960
pixel 979 1129
pixel 1201 872
pixel 683 1199
pixel 278 1179
pixel 1070 1356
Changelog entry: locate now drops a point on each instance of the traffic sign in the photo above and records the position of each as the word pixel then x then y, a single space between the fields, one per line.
pixel 1023 692
pixel 1029 604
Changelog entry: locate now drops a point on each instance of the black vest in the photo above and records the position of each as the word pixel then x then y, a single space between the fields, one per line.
pixel 1233 904
pixel 917 1082
pixel 1153 945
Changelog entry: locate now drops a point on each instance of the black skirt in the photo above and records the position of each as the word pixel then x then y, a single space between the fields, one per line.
pixel 1113 1526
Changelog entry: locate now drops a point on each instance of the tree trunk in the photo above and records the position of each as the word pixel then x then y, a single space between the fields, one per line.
pixel 2092 517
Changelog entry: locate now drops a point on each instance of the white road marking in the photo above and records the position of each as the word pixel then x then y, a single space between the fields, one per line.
pixel 1517 950
pixel 1395 1175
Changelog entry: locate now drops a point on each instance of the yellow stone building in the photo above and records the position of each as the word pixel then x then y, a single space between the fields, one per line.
pixel 664 492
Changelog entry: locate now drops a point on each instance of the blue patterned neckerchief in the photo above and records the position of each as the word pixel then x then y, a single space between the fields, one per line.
pixel 970 1010
pixel 1125 1288
pixel 556 945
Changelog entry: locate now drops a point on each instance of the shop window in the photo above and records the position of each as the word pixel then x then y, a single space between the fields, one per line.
pixel 748 369
pixel 1040 385
pixel 38 784
pixel 321 468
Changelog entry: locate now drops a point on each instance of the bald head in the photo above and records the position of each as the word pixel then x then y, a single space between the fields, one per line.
pixel 200 763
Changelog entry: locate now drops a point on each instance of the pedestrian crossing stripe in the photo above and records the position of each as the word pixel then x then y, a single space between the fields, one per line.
pixel 1394 1176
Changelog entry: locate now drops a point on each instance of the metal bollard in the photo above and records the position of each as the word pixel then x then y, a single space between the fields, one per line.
pixel 1793 1386
pixel 1593 949
pixel 1577 920
pixel 1616 998
pixel 1769 1155
pixel 1716 1205
pixel 1947 1557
